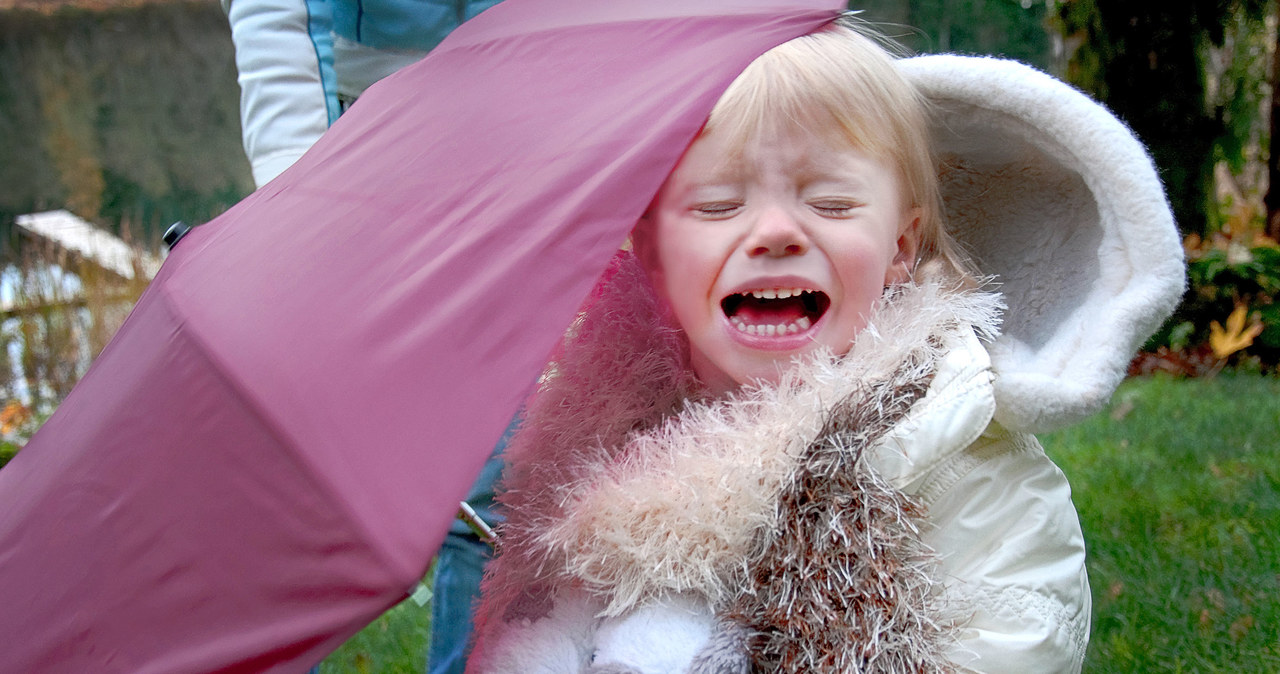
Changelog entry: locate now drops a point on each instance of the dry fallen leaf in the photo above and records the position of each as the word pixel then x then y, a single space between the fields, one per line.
pixel 1235 336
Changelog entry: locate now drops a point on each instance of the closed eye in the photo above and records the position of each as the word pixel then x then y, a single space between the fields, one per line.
pixel 717 209
pixel 834 208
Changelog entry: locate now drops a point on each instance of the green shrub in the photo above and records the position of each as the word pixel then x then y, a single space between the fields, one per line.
pixel 1229 315
pixel 7 451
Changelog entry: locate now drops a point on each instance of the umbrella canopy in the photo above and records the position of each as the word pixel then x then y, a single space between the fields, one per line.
pixel 270 451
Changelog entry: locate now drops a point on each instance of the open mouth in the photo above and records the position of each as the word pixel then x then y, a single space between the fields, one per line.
pixel 775 311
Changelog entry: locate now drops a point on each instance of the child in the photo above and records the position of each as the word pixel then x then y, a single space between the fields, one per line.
pixel 769 441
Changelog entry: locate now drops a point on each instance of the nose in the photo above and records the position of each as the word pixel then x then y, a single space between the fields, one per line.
pixel 776 233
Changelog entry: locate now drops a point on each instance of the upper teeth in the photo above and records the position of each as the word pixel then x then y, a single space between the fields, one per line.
pixel 778 293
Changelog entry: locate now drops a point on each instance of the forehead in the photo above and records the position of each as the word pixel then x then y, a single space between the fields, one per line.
pixel 800 152
pixel 738 130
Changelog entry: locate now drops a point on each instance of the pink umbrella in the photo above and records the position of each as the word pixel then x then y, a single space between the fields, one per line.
pixel 269 452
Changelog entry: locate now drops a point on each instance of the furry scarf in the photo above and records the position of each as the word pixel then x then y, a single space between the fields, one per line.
pixel 628 483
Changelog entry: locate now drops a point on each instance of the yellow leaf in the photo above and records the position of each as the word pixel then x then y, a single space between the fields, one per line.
pixel 1235 336
pixel 12 416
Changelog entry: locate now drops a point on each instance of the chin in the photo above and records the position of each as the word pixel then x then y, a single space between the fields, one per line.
pixel 751 374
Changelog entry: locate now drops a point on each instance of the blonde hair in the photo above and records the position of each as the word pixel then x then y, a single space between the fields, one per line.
pixel 842 81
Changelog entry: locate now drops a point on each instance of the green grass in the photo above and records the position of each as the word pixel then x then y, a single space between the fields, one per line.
pixel 395 643
pixel 1178 489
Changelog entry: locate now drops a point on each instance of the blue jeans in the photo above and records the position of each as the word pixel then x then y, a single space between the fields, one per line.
pixel 459 567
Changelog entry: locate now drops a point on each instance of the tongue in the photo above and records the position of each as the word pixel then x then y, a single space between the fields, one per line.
pixel 770 312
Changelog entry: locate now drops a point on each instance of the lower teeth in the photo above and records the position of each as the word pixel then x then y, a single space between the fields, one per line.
pixel 799 324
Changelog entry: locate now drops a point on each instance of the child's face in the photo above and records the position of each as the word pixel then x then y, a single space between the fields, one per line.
pixel 773 251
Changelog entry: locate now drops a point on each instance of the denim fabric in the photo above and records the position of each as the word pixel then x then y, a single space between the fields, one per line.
pixel 459 567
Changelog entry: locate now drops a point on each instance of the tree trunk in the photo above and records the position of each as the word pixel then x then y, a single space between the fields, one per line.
pixel 1272 199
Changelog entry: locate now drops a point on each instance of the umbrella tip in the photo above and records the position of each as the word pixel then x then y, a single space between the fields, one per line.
pixel 175 233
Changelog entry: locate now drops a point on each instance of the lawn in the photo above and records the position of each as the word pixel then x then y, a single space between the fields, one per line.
pixel 1178 488
pixel 395 643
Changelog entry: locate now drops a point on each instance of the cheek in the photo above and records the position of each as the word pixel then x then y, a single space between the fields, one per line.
pixel 869 288
pixel 683 259
pixel 647 240
pixel 680 282
pixel 865 270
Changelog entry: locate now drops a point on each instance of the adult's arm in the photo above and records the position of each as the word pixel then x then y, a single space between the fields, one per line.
pixel 285 64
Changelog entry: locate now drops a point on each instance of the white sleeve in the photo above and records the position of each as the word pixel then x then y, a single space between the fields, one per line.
pixel 1012 556
pixel 284 105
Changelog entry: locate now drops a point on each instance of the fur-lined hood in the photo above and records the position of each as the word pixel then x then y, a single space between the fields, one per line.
pixel 1056 199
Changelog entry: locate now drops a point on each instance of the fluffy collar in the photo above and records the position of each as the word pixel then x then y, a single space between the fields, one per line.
pixel 627 481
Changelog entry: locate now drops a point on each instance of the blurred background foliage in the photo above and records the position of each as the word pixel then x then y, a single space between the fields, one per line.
pixel 1009 28
pixel 127 116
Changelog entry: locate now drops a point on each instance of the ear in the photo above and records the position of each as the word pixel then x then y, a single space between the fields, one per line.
pixel 904 260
